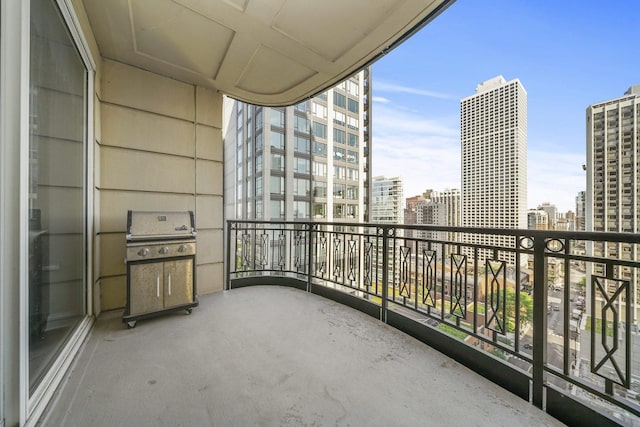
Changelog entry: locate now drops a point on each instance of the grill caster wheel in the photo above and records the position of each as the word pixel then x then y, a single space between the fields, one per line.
pixel 131 325
pixel 189 310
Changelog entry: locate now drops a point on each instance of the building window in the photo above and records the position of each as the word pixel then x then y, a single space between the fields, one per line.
pixel 352 88
pixel 339 136
pixel 353 140
pixel 258 186
pixel 353 123
pixel 277 140
pixel 277 162
pixel 319 210
pixel 277 117
pixel 319 149
pixel 352 156
pixel 352 192
pixel 319 189
pixel 301 124
pixel 301 144
pixel 301 165
pixel 319 130
pixel 339 153
pixel 303 106
pixel 352 105
pixel 319 169
pixel 338 191
pixel 301 187
pixel 277 209
pixel 258 119
pixel 277 185
pixel 300 209
pixel 339 100
pixel 320 111
pixel 352 211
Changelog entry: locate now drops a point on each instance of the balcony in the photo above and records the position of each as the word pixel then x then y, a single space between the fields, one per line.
pixel 487 348
pixel 273 356
pixel 564 341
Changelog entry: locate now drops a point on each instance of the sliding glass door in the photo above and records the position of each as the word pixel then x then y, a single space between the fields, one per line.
pixel 57 188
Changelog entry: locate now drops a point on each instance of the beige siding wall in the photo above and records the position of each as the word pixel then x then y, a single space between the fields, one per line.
pixel 158 147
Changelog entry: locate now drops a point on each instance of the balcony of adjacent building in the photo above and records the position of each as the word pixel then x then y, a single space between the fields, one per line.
pixel 357 324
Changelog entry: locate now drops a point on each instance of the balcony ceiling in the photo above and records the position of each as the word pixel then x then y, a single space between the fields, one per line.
pixel 269 52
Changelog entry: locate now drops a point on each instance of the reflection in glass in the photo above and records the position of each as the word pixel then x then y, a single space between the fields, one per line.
pixel 56 188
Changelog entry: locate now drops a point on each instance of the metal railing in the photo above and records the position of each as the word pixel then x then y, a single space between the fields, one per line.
pixel 550 315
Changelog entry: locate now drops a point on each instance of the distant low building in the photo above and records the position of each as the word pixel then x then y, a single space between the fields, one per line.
pixel 537 219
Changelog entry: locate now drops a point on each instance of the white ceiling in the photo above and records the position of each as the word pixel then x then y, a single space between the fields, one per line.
pixel 269 52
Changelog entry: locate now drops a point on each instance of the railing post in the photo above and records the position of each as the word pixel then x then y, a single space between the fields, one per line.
pixel 310 233
pixel 384 231
pixel 539 319
pixel 228 283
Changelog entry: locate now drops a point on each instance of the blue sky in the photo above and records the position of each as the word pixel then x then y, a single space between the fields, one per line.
pixel 567 54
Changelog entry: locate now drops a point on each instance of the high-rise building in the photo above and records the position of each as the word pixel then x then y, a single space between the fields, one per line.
pixel 613 180
pixel 450 198
pixel 411 213
pixel 566 221
pixel 581 210
pixel 493 127
pixel 307 161
pixel 537 219
pixel 552 214
pixel 387 200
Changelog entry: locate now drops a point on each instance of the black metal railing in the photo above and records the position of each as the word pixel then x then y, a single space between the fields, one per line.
pixel 550 315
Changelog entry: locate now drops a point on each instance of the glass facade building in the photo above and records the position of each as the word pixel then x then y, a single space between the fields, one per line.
pixel 309 161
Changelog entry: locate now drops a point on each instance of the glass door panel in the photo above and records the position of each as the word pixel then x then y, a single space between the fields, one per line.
pixel 57 188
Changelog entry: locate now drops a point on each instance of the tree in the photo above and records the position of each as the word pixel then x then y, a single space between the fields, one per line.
pixel 526 309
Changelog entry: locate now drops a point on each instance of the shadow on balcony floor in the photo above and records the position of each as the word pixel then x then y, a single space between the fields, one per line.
pixel 273 356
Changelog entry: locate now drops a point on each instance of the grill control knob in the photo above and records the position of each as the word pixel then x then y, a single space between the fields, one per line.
pixel 164 250
pixel 143 252
pixel 182 248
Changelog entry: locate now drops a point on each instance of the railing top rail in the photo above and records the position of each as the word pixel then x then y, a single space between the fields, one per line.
pixel 552 234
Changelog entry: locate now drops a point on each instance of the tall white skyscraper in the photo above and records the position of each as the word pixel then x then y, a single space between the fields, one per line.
pixel 493 127
pixel 613 179
pixel 581 210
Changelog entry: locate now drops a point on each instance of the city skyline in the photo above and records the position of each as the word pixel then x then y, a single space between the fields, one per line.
pixel 561 57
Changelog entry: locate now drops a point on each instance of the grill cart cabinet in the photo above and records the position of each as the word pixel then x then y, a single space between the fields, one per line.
pixel 160 286
pixel 161 255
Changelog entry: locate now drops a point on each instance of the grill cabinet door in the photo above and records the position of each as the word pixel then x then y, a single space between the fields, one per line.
pixel 178 283
pixel 146 288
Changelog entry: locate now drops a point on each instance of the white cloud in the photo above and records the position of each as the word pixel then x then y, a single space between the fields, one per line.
pixel 383 86
pixel 424 152
pixel 380 99
pixel 555 177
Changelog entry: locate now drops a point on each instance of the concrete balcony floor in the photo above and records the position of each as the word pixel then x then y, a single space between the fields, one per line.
pixel 273 356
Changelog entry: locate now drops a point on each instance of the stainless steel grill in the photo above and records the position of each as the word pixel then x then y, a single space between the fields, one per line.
pixel 161 251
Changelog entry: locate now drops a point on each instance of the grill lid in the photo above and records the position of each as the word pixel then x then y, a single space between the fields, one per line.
pixel 149 225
